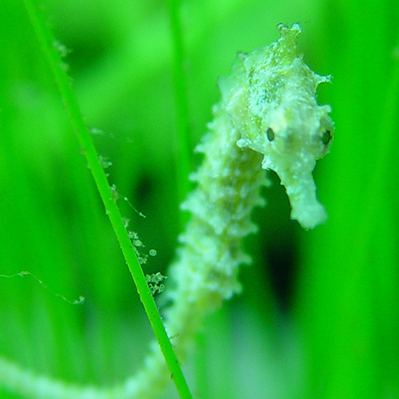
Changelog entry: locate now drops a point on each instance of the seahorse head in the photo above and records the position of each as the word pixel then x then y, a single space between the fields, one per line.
pixel 294 136
pixel 277 114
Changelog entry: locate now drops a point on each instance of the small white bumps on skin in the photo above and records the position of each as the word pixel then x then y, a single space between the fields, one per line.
pixel 271 99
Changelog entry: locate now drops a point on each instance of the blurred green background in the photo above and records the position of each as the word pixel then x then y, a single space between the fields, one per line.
pixel 318 317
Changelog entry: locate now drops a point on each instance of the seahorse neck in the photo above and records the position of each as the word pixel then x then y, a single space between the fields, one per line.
pixel 228 181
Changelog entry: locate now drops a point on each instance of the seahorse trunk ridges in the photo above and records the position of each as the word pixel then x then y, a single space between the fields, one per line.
pixel 268 110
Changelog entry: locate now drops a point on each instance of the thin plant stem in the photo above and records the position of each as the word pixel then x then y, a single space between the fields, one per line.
pixel 55 62
pixel 378 182
pixel 183 148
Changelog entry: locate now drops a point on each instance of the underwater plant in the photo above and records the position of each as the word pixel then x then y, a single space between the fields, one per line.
pixel 268 118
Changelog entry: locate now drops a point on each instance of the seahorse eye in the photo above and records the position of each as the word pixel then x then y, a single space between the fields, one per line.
pixel 270 134
pixel 326 137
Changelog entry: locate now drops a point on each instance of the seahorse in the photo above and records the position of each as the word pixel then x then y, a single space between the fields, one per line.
pixel 268 118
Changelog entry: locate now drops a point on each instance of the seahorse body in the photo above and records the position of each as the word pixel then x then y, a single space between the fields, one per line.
pixel 268 110
pixel 268 116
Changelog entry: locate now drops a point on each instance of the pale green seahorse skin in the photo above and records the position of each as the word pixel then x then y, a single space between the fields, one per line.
pixel 268 118
pixel 271 98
